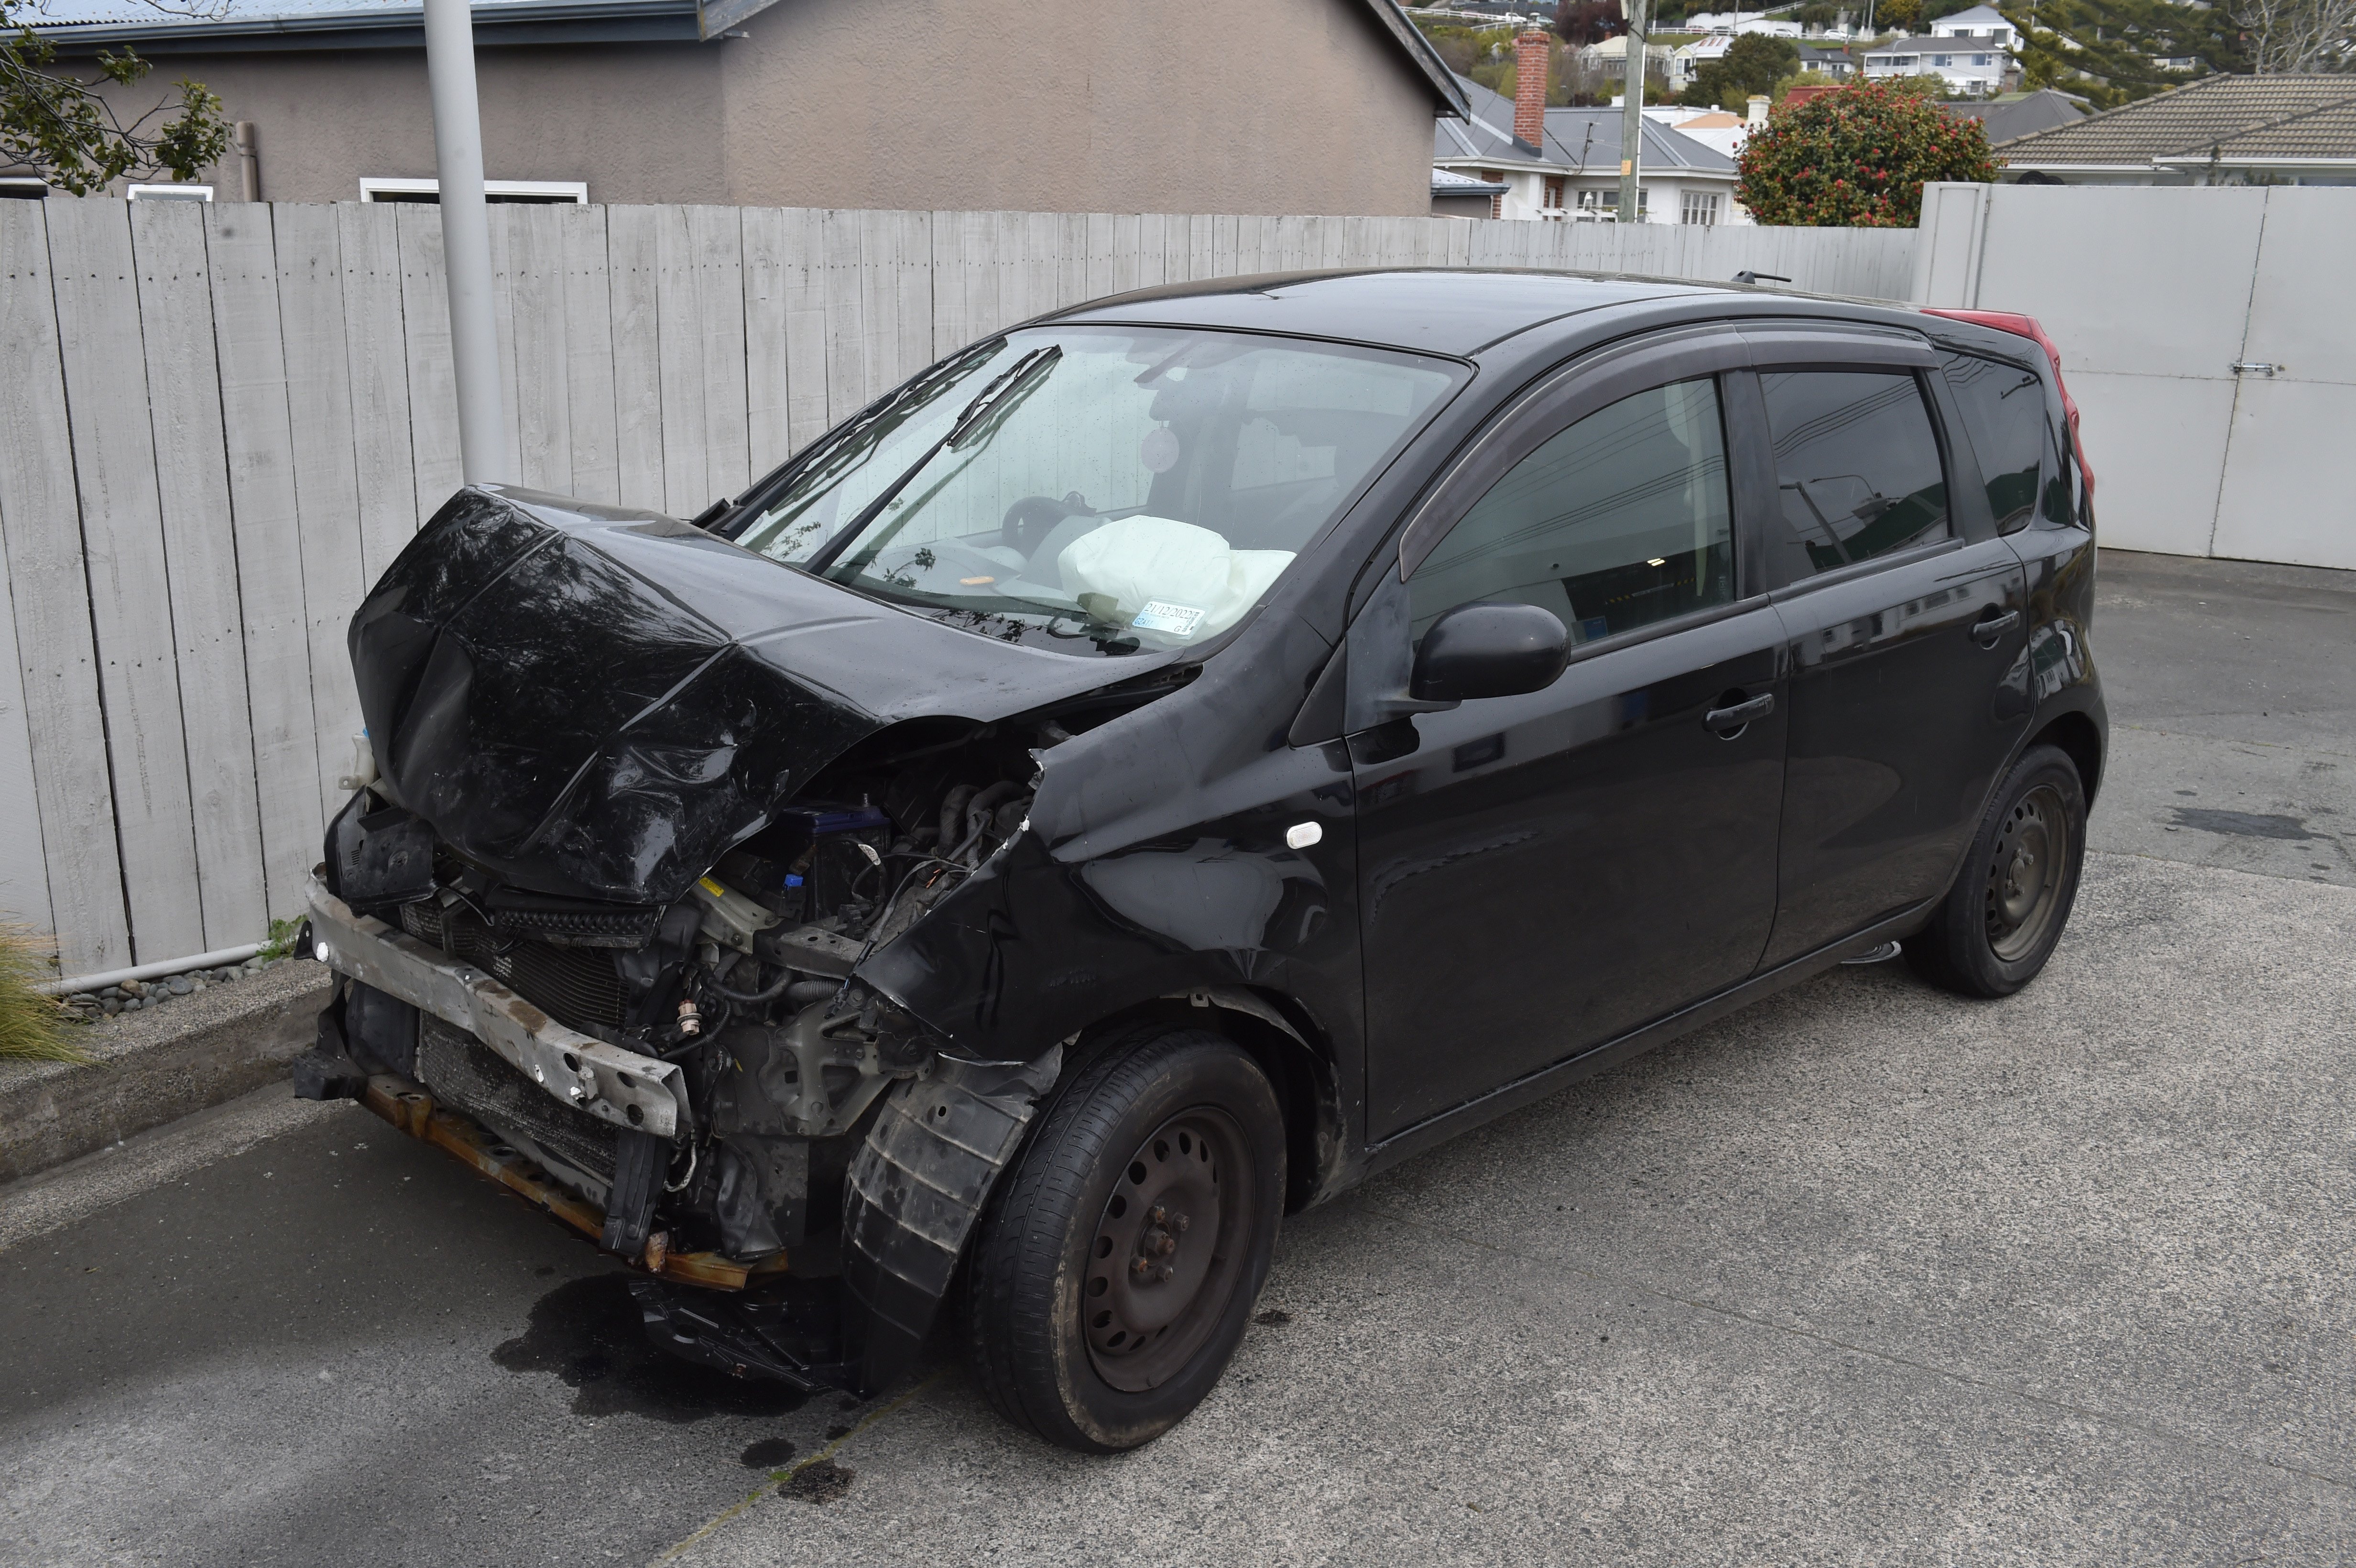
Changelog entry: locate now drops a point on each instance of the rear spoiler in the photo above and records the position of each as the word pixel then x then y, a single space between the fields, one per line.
pixel 2026 326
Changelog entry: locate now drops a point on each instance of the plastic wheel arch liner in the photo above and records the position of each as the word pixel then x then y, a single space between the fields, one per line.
pixel 916 1190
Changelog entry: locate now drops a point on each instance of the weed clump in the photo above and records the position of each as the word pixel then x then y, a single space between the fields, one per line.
pixel 33 1028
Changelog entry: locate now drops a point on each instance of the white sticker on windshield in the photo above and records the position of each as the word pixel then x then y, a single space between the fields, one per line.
pixel 1178 620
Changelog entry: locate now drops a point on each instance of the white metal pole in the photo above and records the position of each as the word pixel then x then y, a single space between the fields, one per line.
pixel 482 454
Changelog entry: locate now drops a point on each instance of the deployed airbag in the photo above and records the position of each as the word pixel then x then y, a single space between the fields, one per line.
pixel 1159 574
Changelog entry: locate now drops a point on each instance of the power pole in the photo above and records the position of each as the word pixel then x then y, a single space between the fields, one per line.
pixel 482 454
pixel 1631 115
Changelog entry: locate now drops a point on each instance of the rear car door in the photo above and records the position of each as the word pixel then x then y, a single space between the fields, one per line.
pixel 1541 873
pixel 1905 614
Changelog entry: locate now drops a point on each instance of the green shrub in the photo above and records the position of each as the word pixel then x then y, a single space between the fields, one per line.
pixel 1858 159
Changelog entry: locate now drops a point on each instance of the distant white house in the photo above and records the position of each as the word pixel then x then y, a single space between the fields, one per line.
pixel 1685 63
pixel 1730 22
pixel 1971 50
pixel 1612 55
pixel 1687 60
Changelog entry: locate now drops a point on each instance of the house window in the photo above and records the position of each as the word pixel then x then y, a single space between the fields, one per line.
pixel 430 190
pixel 1699 206
pixel 1608 200
pixel 1942 62
pixel 1979 60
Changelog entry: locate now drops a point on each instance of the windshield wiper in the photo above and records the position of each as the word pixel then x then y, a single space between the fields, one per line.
pixel 1021 374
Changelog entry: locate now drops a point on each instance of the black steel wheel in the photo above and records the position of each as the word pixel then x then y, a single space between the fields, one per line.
pixel 2028 873
pixel 1998 923
pixel 1164 1260
pixel 1114 1271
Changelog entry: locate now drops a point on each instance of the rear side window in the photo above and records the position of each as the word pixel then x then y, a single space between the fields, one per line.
pixel 1858 465
pixel 1621 520
pixel 2004 411
pixel 2066 497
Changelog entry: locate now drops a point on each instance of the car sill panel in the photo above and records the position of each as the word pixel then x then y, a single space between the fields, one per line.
pixel 1410 1141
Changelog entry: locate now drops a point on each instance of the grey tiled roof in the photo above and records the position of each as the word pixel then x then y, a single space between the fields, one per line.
pixel 2242 116
pixel 2329 133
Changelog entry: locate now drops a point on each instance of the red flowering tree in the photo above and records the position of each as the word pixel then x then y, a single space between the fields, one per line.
pixel 1857 158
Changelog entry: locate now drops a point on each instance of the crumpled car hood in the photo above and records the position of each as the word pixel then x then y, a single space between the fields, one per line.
pixel 598 702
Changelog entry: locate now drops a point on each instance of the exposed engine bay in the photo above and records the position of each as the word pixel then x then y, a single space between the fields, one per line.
pixel 745 983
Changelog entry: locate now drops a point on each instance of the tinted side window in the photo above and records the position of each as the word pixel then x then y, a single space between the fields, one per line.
pixel 2066 503
pixel 1621 520
pixel 1857 464
pixel 2004 410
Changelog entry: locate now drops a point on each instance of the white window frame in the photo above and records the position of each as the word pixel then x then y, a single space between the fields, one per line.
pixel 169 192
pixel 375 188
pixel 1700 207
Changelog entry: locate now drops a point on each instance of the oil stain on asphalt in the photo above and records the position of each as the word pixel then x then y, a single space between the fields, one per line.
pixel 818 1482
pixel 2242 824
pixel 590 1333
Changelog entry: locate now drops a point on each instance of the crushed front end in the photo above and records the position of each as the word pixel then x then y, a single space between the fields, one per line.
pixel 602 898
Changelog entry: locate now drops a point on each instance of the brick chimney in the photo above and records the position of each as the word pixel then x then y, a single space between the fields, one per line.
pixel 1530 87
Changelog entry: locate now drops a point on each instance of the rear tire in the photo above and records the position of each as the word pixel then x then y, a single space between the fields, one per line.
pixel 1998 923
pixel 1114 1268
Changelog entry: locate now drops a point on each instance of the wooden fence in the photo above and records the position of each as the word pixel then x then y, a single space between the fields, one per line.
pixel 219 423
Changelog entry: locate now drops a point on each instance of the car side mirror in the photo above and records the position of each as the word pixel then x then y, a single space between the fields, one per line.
pixel 1490 650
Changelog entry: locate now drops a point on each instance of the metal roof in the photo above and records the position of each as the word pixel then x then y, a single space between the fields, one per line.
pixel 1449 182
pixel 1578 141
pixel 2012 115
pixel 1442 310
pixel 2240 117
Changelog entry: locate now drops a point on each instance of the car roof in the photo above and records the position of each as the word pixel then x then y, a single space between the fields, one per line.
pixel 1455 311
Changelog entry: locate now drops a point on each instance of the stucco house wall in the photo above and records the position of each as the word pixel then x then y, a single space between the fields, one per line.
pixel 640 122
pixel 1257 106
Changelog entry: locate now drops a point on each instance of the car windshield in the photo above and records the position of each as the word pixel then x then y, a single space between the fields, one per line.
pixel 1097 489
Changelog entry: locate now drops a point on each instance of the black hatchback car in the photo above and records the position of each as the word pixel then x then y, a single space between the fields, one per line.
pixel 1176 758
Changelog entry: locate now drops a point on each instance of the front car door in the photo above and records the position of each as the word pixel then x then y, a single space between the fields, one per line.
pixel 1545 872
pixel 1909 687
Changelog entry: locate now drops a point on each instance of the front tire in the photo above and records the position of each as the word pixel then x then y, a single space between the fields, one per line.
pixel 1998 923
pixel 1113 1272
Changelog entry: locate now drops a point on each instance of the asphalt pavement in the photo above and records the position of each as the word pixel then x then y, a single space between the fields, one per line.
pixel 1862 1274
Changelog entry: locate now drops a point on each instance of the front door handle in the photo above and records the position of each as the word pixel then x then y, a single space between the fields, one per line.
pixel 1988 630
pixel 1729 720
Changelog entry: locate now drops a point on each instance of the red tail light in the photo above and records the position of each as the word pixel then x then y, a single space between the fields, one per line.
pixel 2026 326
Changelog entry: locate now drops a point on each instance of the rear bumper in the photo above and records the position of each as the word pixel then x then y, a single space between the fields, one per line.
pixel 608 1082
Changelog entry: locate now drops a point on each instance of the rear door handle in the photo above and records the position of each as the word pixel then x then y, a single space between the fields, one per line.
pixel 1727 721
pixel 1989 632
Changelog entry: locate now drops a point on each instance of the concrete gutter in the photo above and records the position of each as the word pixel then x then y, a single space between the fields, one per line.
pixel 156 1066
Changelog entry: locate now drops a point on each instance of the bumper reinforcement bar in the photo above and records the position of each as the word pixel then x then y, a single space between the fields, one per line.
pixel 639 1093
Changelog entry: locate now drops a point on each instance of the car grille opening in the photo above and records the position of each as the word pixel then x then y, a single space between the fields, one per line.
pixel 470 1078
pixel 577 986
